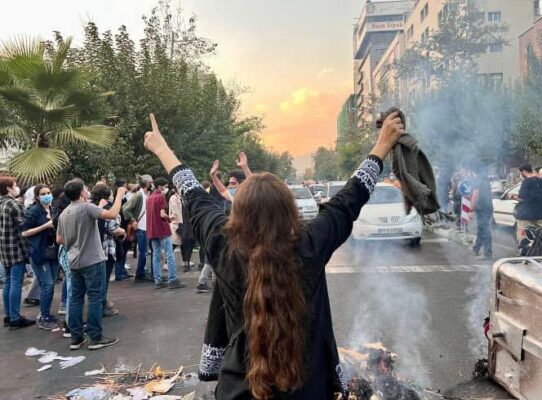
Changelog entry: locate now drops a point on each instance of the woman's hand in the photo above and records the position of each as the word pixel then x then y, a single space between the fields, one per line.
pixel 391 131
pixel 242 160
pixel 214 168
pixel 156 144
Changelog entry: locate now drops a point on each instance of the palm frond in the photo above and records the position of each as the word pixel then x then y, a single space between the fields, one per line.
pixel 12 133
pixel 38 164
pixel 61 54
pixel 22 47
pixel 98 135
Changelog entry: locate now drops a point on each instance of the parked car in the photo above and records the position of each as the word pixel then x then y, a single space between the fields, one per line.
pixel 332 189
pixel 384 218
pixel 318 191
pixel 306 205
pixel 503 206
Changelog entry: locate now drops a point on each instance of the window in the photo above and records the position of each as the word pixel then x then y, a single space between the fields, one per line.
pixel 495 47
pixel 410 32
pixel 425 35
pixel 494 16
pixel 424 12
pixel 493 80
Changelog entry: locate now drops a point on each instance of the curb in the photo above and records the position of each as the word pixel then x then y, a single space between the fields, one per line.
pixel 463 239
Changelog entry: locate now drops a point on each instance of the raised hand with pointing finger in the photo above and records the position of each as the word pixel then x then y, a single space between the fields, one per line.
pixel 155 143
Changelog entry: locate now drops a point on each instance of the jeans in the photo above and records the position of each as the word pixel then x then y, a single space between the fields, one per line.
pixel 87 281
pixel 187 247
pixel 109 265
pixel 120 269
pixel 12 291
pixel 46 275
pixel 142 248
pixel 483 237
pixel 65 298
pixel 167 246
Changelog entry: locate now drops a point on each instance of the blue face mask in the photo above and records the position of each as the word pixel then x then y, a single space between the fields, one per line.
pixel 232 191
pixel 46 199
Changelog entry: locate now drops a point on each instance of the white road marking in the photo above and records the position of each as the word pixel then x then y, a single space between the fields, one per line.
pixel 346 269
pixel 436 240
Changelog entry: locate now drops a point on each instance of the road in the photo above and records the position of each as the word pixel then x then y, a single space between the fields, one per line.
pixel 426 304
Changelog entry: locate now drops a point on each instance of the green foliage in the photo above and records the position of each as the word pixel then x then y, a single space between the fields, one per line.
pixel 46 104
pixel 325 164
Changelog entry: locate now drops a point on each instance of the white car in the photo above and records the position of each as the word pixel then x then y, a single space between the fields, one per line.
pixel 306 205
pixel 503 207
pixel 384 218
pixel 332 189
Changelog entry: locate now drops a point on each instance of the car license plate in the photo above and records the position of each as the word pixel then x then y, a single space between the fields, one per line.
pixel 389 231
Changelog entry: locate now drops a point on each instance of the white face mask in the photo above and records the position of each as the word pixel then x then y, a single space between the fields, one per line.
pixel 15 191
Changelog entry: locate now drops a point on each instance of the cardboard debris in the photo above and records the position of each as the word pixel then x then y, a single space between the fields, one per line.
pixel 164 385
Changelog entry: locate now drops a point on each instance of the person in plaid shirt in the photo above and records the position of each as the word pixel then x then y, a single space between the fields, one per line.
pixel 12 253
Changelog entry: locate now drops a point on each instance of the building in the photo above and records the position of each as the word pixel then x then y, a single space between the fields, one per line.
pixel 376 27
pixel 530 41
pixel 498 65
pixel 347 119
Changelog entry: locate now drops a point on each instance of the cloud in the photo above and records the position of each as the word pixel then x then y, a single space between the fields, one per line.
pixel 298 98
pixel 261 108
pixel 324 71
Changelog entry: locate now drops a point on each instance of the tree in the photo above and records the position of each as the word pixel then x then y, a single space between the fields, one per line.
pixel 325 164
pixel 47 105
pixel 308 174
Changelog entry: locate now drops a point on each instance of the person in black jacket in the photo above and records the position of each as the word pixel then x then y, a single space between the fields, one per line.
pixel 529 207
pixel 270 272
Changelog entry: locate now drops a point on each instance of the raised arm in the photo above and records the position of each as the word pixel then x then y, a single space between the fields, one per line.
pixel 242 162
pixel 217 182
pixel 206 215
pixel 333 224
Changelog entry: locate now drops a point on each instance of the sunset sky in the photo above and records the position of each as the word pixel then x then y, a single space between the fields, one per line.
pixel 295 56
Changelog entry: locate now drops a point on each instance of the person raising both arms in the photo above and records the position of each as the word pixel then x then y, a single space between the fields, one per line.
pixel 270 272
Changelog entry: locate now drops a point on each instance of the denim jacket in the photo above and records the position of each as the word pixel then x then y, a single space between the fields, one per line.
pixel 36 216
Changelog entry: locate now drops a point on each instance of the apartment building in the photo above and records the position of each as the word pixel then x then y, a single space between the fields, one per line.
pixel 498 65
pixel 530 41
pixel 377 25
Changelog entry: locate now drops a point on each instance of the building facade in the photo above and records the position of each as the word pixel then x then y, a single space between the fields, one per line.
pixel 530 41
pixel 498 65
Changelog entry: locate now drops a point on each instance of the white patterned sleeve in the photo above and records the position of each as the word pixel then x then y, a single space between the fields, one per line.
pixel 184 179
pixel 368 172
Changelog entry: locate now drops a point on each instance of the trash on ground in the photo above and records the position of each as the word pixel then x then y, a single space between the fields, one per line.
pixel 99 392
pixel 33 352
pixel 138 393
pixel 45 368
pixel 70 361
pixel 95 372
pixel 48 357
pixel 163 386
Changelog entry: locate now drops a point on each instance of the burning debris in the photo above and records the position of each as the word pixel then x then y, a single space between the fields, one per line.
pixel 372 372
pixel 480 368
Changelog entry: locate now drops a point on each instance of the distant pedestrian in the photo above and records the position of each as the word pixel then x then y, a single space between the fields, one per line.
pixel 483 207
pixel 528 211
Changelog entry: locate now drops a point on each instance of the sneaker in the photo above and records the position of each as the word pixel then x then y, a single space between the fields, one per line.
pixel 109 312
pixel 48 323
pixel 160 285
pixel 103 342
pixel 143 279
pixel 127 266
pixel 6 321
pixel 22 322
pixel 66 330
pixel 186 267
pixel 31 302
pixel 164 279
pixel 77 343
pixel 202 288
pixel 109 304
pixel 61 310
pixel 176 284
pixel 200 267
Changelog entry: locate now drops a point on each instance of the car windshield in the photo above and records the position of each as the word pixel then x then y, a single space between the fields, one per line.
pixel 301 193
pixel 386 195
pixel 334 189
pixel 320 188
pixel 514 190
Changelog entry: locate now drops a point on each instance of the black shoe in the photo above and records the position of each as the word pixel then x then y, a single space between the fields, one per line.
pixel 22 322
pixel 176 284
pixel 202 288
pixel 6 321
pixel 31 302
pixel 160 285
pixel 103 342
pixel 200 267
pixel 186 267
pixel 77 343
pixel 109 312
pixel 143 279
pixel 66 330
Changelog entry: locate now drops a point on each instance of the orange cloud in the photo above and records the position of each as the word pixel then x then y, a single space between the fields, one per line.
pixel 298 98
pixel 324 71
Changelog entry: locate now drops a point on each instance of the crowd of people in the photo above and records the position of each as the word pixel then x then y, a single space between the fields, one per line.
pixel 80 237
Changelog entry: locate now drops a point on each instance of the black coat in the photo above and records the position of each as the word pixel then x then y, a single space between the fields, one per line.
pixel 319 238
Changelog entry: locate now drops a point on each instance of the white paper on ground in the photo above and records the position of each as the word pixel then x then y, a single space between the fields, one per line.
pixel 138 393
pixel 71 362
pixel 33 352
pixel 45 368
pixel 48 357
pixel 94 372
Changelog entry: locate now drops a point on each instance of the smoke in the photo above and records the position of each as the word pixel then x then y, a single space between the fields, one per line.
pixel 391 297
pixel 478 309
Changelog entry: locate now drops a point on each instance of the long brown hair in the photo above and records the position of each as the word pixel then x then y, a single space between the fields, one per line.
pixel 263 229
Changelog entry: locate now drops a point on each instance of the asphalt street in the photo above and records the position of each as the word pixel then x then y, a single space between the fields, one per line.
pixel 427 304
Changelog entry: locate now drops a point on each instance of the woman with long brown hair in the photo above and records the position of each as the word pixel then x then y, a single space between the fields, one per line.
pixel 277 339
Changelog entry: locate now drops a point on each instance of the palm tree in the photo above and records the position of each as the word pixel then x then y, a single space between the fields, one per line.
pixel 46 104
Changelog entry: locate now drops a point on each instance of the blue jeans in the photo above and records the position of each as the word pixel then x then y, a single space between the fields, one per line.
pixel 12 291
pixel 46 275
pixel 483 236
pixel 142 249
pixel 65 298
pixel 167 246
pixel 87 281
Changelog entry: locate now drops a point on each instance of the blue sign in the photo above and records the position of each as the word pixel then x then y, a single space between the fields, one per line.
pixel 465 188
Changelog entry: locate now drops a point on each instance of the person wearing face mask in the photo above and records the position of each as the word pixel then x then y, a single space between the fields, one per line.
pixel 39 232
pixel 159 235
pixel 13 254
pixel 135 212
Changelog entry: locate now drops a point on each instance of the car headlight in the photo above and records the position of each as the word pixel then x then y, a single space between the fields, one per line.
pixel 413 217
